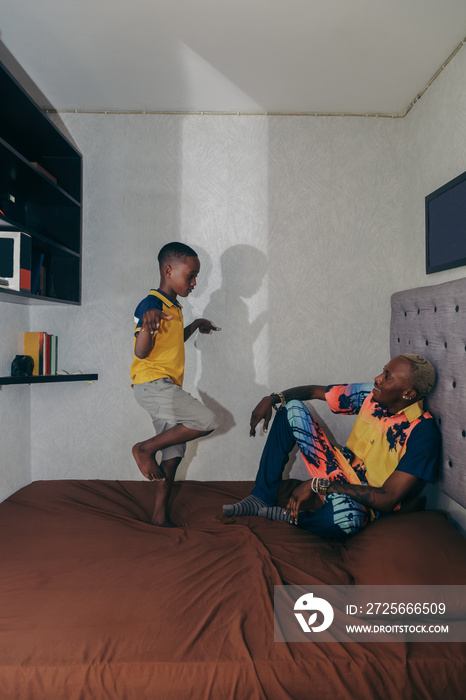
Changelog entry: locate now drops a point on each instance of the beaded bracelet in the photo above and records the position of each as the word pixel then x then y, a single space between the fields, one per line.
pixel 282 400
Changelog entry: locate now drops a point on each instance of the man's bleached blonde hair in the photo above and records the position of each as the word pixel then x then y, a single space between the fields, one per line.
pixel 423 373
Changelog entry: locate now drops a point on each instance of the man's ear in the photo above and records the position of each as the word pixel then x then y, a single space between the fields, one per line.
pixel 168 270
pixel 410 395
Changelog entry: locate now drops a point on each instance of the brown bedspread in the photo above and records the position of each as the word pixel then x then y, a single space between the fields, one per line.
pixel 97 603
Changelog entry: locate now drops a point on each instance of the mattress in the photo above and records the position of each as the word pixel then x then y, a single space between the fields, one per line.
pixel 96 602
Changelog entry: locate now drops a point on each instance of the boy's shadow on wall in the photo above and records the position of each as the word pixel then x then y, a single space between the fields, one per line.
pixel 227 381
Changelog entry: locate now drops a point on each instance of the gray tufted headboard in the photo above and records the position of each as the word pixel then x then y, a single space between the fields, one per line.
pixel 431 321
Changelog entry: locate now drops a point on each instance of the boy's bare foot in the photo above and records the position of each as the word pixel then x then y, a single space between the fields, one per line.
pixel 147 465
pixel 161 519
pixel 165 523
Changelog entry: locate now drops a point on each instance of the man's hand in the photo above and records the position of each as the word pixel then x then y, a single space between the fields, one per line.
pixel 300 494
pixel 263 411
pixel 384 498
pixel 151 320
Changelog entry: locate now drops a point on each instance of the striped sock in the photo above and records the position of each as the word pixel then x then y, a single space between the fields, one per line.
pixel 248 506
pixel 275 513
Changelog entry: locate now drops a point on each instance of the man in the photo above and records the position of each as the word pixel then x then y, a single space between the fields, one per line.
pixel 391 452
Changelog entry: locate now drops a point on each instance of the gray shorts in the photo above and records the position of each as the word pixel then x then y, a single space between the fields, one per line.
pixel 169 405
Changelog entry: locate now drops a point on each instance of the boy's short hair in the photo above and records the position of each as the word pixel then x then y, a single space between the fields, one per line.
pixel 175 251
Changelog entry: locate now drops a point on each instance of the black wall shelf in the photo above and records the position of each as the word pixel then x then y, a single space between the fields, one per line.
pixel 32 202
pixel 26 298
pixel 49 379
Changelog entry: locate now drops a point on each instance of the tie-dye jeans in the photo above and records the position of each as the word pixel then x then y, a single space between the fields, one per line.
pixel 339 515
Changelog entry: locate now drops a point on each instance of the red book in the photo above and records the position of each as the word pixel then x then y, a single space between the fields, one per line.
pixel 41 353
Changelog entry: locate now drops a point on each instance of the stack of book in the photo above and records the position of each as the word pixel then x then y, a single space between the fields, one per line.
pixel 42 347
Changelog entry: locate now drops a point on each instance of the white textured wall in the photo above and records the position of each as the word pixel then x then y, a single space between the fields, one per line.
pixel 304 227
pixel 15 420
pixel 434 152
pixel 294 221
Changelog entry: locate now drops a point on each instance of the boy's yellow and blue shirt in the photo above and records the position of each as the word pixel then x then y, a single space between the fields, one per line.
pixel 166 358
pixel 379 443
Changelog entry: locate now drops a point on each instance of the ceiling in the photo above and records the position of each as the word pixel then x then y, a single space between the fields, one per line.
pixel 286 56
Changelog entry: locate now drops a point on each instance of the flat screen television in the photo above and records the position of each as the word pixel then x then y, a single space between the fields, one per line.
pixel 446 226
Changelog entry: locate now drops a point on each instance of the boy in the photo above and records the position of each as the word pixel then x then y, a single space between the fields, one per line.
pixel 157 373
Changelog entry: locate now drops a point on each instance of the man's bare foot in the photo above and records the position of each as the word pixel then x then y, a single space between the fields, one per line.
pixel 147 465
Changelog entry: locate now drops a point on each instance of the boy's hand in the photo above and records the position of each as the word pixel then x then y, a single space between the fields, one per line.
pixel 206 327
pixel 151 320
pixel 263 411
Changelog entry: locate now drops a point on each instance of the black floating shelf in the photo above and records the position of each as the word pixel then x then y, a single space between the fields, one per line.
pixel 26 298
pixel 49 379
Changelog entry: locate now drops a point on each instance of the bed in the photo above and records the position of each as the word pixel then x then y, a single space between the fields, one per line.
pixel 97 603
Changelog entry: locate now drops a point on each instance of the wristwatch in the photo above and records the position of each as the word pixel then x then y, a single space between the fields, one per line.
pixel 322 486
